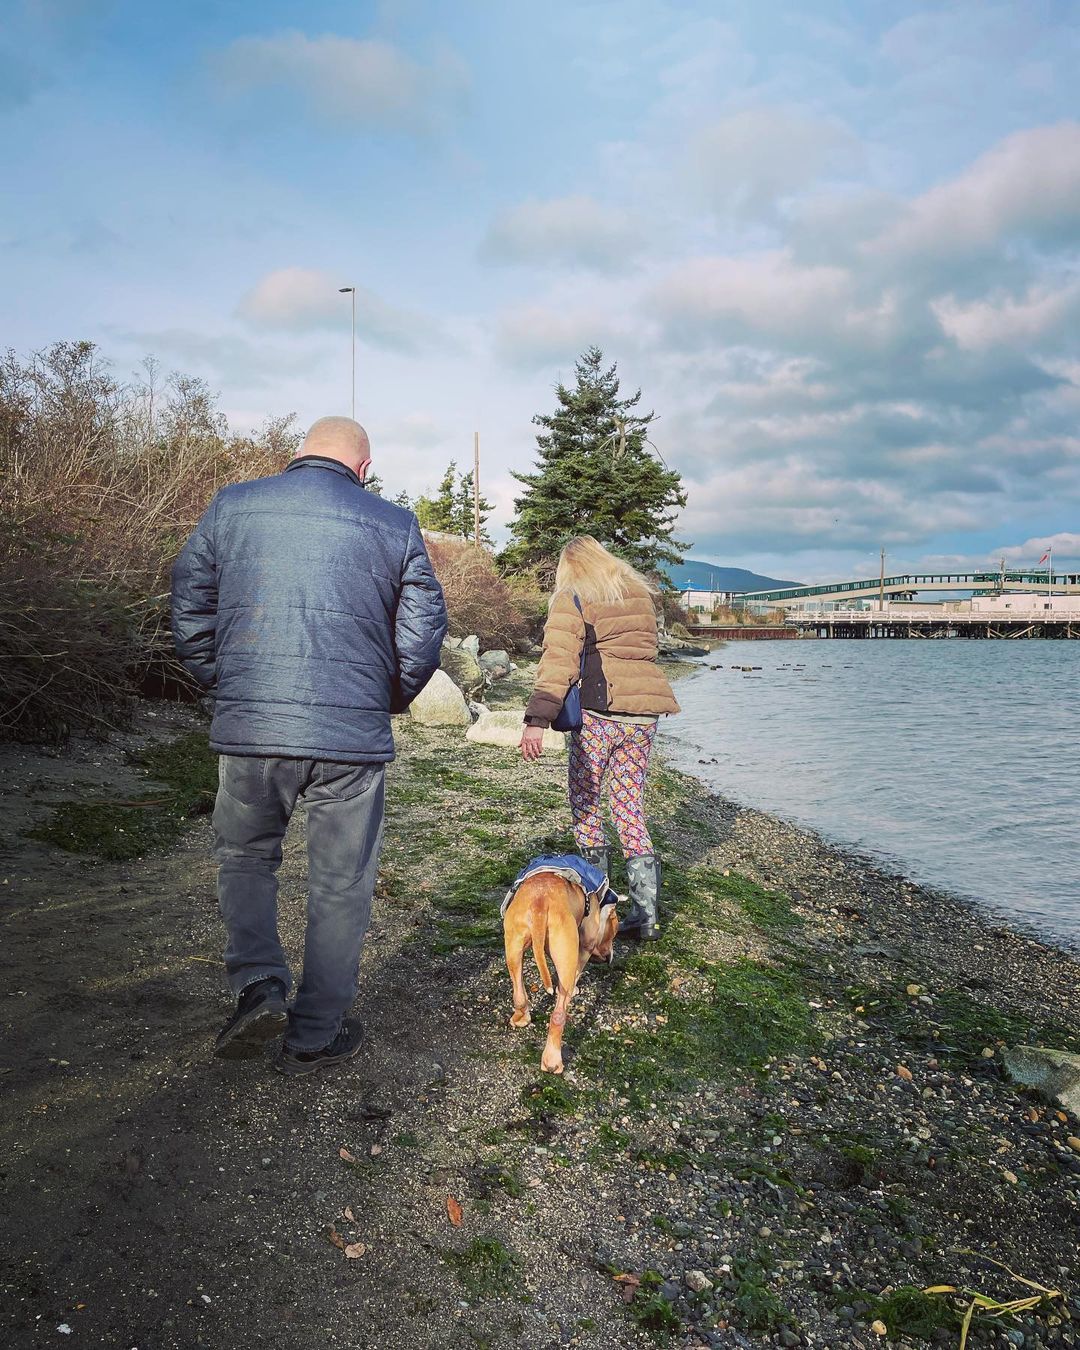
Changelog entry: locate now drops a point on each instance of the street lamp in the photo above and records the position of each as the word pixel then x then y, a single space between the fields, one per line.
pixel 351 290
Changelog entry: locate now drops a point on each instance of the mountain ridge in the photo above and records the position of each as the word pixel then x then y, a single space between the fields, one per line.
pixel 706 576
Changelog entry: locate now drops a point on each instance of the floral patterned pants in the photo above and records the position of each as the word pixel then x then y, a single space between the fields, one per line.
pixel 617 752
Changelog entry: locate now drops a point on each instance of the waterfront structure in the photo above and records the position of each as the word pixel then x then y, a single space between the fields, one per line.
pixel 701 604
pixel 1019 616
pixel 911 584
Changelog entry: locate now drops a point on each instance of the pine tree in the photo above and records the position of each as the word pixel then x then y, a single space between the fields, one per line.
pixel 438 512
pixel 465 511
pixel 597 476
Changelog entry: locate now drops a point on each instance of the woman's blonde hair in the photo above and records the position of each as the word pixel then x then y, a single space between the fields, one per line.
pixel 593 574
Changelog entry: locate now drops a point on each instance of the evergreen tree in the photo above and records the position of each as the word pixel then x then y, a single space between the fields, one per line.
pixel 465 511
pixel 374 484
pixel 439 512
pixel 596 476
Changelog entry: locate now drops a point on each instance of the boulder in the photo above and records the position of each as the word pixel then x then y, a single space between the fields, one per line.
pixel 504 728
pixel 496 664
pixel 471 644
pixel 440 704
pixel 463 668
pixel 1055 1073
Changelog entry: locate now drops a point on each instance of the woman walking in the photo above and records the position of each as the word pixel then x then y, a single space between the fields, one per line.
pixel 603 610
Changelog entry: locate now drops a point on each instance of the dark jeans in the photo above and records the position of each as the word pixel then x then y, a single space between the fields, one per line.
pixel 256 798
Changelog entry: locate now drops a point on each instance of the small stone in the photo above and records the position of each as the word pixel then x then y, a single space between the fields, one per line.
pixel 1009 1176
pixel 987 1052
pixel 697 1280
pixel 1073 1143
pixel 879 1328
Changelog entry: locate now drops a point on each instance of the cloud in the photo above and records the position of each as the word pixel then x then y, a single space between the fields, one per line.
pixel 564 232
pixel 1028 186
pixel 745 163
pixel 303 300
pixel 535 337
pixel 362 82
pixel 221 357
pixel 1041 313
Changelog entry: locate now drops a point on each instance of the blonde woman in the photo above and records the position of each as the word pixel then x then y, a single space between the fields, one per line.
pixel 602 608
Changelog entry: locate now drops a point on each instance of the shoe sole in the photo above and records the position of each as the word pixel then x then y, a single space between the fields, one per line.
pixel 247 1038
pixel 291 1069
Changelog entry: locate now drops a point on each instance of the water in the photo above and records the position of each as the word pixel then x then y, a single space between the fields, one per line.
pixel 954 761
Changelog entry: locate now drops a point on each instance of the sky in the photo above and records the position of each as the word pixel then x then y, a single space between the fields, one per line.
pixel 836 245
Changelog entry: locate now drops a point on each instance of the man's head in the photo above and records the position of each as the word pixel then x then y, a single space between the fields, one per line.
pixel 339 438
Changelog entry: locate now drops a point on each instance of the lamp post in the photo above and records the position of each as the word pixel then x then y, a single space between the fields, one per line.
pixel 351 290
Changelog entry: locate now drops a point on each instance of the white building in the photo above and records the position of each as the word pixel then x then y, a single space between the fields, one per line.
pixel 702 603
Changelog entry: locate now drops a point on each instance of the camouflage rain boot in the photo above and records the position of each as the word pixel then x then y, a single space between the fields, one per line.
pixel 643 920
pixel 599 857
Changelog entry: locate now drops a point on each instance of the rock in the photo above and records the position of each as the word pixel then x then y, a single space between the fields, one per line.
pixel 698 1281
pixel 503 727
pixel 471 645
pixel 496 664
pixel 440 704
pixel 1053 1072
pixel 463 668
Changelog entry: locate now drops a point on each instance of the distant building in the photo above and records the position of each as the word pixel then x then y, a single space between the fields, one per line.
pixel 700 604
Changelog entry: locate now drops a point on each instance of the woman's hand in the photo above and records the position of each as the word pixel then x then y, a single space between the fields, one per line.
pixel 532 742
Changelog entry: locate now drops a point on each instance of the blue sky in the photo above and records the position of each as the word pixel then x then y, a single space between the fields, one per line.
pixel 836 244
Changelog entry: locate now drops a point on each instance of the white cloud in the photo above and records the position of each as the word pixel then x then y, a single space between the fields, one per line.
pixel 533 337
pixel 743 164
pixel 575 231
pixel 1027 185
pixel 765 294
pixel 361 81
pixel 300 299
pixel 979 324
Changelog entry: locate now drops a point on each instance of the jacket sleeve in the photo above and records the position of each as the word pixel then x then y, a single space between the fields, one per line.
pixel 195 600
pixel 560 664
pixel 419 625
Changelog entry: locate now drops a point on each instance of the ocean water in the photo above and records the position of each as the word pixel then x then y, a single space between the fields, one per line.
pixel 953 761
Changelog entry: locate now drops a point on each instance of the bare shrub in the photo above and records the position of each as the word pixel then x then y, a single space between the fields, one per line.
pixel 100 484
pixel 478 599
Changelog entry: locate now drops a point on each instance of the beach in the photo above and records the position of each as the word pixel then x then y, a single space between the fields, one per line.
pixel 777 1124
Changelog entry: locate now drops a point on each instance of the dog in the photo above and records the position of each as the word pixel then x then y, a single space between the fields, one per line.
pixel 549 911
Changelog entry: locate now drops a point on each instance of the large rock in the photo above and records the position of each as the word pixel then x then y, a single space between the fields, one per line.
pixel 463 668
pixel 440 704
pixel 496 664
pixel 1055 1073
pixel 504 727
pixel 471 644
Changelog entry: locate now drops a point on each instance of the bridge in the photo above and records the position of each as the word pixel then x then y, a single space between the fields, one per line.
pixel 906 586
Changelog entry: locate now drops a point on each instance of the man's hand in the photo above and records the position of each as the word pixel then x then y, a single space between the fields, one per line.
pixel 532 742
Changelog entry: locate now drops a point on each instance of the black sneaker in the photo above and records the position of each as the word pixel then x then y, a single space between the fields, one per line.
pixel 260 1016
pixel 345 1045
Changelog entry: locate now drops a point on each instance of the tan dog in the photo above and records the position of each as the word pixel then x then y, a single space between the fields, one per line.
pixel 548 910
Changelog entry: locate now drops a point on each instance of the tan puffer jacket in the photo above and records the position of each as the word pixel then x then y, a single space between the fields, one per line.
pixel 621 674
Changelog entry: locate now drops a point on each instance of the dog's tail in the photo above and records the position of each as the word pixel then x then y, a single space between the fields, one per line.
pixel 538 923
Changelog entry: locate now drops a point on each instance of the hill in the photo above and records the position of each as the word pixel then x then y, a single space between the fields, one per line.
pixel 706 576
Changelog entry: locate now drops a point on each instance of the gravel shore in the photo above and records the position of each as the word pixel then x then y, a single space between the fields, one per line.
pixel 778 1125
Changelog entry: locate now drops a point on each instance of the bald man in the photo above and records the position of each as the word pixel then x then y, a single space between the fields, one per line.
pixel 310 610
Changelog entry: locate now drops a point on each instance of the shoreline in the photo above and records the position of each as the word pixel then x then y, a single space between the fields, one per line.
pixel 763 1136
pixel 890 869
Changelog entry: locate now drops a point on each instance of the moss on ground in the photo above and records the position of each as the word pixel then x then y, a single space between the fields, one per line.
pixel 746 1014
pixel 119 829
pixel 953 1025
pixel 489 1269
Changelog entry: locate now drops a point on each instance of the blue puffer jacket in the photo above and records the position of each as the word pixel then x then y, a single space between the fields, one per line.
pixel 310 608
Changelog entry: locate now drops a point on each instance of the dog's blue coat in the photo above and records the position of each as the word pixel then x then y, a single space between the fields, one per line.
pixel 591 880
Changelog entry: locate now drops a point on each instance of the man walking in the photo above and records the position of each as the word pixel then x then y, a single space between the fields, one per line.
pixel 309 608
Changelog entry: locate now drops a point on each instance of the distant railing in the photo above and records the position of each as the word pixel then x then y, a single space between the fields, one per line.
pixel 956 618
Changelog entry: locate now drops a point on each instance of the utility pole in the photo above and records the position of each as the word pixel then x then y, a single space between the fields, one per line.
pixel 476 488
pixel 881 585
pixel 351 290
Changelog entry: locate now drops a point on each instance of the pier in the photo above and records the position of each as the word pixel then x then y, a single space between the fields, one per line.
pixel 938 622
